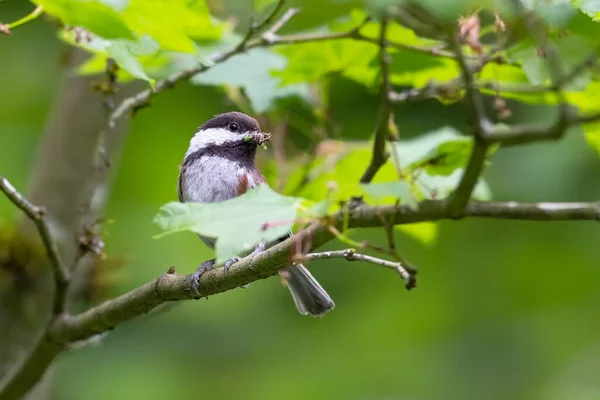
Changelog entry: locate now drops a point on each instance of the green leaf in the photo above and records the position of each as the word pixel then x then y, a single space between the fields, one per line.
pixel 173 24
pixel 260 5
pixel 438 152
pixel 245 216
pixel 93 15
pixel 252 72
pixel 345 169
pixel 511 75
pixel 121 52
pixel 396 190
pixel 592 135
pixel 320 209
pixel 440 186
pixel 425 179
pixel 128 54
pixel 425 232
pixel 437 160
pixel 572 50
pixel 441 11
pixel 446 157
pixel 309 62
pixel 590 7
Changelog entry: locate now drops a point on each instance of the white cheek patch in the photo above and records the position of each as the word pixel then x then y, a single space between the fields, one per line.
pixel 212 137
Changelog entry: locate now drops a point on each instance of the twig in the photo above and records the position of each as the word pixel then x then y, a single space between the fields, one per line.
pixel 474 98
pixel 394 136
pixel 352 255
pixel 256 27
pixel 271 34
pixel 463 191
pixel 389 231
pixel 7 28
pixel 588 62
pixel 530 132
pixel 88 239
pixel 380 156
pixel 37 215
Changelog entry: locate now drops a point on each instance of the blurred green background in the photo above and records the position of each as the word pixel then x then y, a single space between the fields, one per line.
pixel 503 310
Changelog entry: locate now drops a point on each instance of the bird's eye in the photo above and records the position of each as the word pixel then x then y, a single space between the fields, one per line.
pixel 233 127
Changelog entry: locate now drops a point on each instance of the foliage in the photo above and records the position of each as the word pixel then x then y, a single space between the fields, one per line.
pixel 328 147
pixel 248 214
pixel 150 42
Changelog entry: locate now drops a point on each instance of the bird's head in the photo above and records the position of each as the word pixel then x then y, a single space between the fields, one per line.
pixel 229 130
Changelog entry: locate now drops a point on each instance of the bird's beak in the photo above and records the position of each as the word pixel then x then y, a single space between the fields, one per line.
pixel 261 138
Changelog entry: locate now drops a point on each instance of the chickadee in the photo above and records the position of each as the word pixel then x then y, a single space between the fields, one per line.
pixel 219 165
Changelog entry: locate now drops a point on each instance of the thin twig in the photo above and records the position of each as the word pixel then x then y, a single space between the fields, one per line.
pixel 474 98
pixel 7 28
pixel 352 255
pixel 37 215
pixel 588 62
pixel 536 132
pixel 466 185
pixel 271 34
pixel 389 231
pixel 394 136
pixel 257 27
pixel 380 156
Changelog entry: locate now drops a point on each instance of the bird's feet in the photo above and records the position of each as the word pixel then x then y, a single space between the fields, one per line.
pixel 258 249
pixel 210 264
pixel 229 263
pixel 205 266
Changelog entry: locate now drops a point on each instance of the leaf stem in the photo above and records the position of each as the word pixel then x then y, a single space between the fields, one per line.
pixel 6 28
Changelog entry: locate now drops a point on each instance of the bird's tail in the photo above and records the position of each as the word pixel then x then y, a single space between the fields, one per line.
pixel 309 296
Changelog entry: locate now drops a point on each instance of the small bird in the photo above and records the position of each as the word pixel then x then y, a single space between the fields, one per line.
pixel 219 165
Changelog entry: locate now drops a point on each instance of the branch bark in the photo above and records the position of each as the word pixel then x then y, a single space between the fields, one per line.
pixel 172 287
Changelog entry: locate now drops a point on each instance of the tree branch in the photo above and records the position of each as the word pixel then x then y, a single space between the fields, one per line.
pixel 172 287
pixel 407 274
pixel 142 97
pixel 380 156
pixel 271 34
pixel 18 379
pixel 471 174
pixel 36 214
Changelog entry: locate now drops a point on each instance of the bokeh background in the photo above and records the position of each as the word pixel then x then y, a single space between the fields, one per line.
pixel 503 310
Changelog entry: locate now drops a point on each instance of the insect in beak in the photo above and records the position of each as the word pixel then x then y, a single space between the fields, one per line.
pixel 261 138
